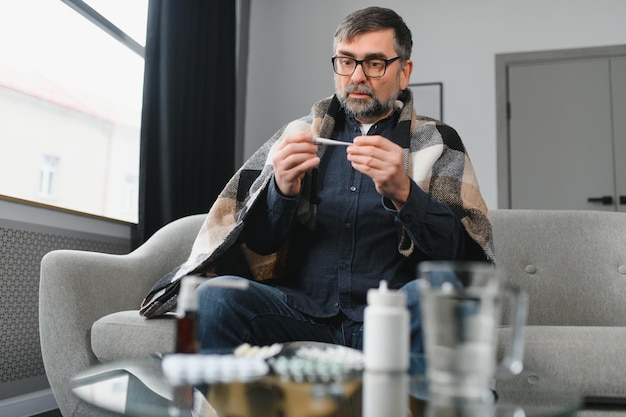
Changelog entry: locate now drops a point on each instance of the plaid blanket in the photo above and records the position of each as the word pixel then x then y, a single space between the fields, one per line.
pixel 435 159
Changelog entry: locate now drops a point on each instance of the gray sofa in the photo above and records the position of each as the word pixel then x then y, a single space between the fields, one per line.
pixel 572 264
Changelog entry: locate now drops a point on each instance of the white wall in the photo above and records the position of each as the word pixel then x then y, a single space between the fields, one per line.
pixel 455 42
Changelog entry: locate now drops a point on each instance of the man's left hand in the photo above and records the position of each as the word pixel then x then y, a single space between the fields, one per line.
pixel 382 161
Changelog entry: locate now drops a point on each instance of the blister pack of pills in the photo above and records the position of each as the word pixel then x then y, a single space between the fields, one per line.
pixel 295 361
pixel 263 352
pixel 201 368
pixel 317 362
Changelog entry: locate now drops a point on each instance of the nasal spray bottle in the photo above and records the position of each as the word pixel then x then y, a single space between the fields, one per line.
pixel 187 342
pixel 386 339
pixel 187 316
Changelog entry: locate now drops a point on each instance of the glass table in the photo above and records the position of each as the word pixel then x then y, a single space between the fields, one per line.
pixel 140 388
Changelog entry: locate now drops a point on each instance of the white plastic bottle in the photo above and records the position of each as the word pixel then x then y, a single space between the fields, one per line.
pixel 386 330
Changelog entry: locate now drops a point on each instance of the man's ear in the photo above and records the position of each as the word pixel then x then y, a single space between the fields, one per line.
pixel 405 74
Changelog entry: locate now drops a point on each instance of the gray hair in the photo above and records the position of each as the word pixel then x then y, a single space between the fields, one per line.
pixel 376 18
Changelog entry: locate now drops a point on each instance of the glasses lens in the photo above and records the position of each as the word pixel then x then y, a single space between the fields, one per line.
pixel 344 66
pixel 374 67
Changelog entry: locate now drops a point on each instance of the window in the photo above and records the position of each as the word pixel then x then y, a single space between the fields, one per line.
pixel 70 105
pixel 48 176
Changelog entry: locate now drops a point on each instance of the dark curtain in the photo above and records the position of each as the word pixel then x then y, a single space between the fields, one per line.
pixel 188 120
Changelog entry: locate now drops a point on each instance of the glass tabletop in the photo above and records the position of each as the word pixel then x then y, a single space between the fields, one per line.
pixel 140 388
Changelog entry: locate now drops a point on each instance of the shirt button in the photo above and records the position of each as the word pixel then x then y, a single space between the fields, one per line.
pixel 353 188
pixel 336 304
pixel 347 225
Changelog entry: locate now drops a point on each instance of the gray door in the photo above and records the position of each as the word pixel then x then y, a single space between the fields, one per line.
pixel 618 83
pixel 561 145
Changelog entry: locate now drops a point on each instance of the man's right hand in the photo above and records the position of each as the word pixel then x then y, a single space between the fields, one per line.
pixel 293 157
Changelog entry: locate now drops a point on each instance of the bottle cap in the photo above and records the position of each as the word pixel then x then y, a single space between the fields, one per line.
pixel 382 296
pixel 187 297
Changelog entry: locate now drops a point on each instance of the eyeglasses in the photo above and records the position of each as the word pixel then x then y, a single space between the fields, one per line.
pixel 373 67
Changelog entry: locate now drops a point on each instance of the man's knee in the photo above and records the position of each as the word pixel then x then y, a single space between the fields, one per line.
pixel 413 295
pixel 217 301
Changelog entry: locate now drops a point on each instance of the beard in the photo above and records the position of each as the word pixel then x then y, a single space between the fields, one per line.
pixel 368 111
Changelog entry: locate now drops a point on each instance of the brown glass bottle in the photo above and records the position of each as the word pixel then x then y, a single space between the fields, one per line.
pixel 186 341
pixel 187 333
pixel 187 317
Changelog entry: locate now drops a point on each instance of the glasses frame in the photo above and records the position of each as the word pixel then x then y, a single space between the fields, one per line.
pixel 360 62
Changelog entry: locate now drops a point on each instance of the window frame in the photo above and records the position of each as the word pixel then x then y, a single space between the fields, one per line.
pixel 105 24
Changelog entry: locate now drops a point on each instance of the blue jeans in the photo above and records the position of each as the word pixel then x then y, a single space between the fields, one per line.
pixel 261 316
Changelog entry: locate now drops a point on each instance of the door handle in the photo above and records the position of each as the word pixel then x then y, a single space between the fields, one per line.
pixel 606 200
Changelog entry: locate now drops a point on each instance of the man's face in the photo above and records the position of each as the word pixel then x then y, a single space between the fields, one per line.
pixel 367 99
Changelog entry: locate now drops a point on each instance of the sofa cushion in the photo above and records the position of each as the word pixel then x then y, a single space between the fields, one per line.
pixel 126 334
pixel 571 264
pixel 562 363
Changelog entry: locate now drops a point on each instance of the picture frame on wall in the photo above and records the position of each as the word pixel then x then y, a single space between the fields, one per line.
pixel 428 99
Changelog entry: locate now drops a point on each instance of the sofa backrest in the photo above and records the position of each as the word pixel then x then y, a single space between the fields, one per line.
pixel 571 264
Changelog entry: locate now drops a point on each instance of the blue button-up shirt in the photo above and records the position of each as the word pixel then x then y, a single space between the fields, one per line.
pixel 355 242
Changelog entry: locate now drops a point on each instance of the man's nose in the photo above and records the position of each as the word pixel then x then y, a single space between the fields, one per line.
pixel 358 76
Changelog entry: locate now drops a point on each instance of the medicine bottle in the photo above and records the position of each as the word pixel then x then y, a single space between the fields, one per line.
pixel 386 331
pixel 187 316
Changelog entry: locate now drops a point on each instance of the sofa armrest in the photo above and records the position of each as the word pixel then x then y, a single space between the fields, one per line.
pixel 77 288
